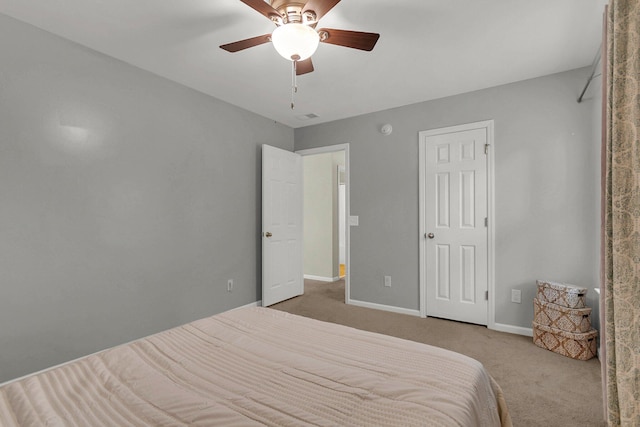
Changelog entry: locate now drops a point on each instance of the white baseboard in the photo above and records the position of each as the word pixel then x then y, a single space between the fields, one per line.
pixel 501 327
pixel 321 278
pixel 518 330
pixel 384 307
pixel 59 365
pixel 251 304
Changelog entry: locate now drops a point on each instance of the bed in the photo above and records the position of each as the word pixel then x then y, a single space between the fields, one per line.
pixel 259 366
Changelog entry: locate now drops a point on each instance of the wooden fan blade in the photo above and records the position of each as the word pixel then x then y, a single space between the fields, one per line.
pixel 262 7
pixel 304 67
pixel 245 44
pixel 352 39
pixel 319 7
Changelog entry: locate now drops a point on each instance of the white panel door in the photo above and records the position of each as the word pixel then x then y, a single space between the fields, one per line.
pixel 282 275
pixel 455 199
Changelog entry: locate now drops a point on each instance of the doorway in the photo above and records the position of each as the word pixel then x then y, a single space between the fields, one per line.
pixel 325 213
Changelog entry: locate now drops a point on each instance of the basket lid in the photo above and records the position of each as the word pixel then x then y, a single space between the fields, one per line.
pixel 565 286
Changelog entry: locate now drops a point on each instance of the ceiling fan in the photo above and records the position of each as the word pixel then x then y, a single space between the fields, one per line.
pixel 295 36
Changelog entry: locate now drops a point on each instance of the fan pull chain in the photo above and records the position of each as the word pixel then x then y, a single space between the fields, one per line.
pixel 294 82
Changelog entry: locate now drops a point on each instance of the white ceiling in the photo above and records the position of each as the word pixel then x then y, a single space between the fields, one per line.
pixel 428 49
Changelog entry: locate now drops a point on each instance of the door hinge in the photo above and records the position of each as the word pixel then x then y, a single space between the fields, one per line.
pixel 486 148
pixel 486 221
pixel 486 295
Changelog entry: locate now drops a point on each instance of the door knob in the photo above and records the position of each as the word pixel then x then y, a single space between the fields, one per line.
pixel 430 235
pixel 268 234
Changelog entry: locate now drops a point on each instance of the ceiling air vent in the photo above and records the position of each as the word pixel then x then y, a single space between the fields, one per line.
pixel 307 116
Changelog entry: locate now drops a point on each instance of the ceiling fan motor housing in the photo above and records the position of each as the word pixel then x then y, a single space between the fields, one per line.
pixel 291 13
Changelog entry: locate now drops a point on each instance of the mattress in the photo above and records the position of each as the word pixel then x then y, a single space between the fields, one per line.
pixel 258 366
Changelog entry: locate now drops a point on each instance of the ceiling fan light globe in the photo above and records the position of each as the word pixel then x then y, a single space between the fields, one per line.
pixel 295 41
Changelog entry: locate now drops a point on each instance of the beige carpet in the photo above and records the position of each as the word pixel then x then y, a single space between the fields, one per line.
pixel 542 388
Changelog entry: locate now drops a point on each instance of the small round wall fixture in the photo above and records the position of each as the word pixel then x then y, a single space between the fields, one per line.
pixel 386 129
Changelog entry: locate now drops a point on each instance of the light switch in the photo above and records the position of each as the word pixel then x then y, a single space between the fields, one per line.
pixel 353 220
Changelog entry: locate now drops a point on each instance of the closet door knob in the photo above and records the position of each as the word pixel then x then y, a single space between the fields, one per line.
pixel 431 235
pixel 268 234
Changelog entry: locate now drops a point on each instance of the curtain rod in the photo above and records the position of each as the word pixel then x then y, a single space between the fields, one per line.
pixel 593 72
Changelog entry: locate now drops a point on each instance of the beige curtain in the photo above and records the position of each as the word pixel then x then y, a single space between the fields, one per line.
pixel 621 215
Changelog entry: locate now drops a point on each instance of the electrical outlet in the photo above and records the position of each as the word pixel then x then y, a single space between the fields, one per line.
pixel 387 281
pixel 516 296
pixel 229 285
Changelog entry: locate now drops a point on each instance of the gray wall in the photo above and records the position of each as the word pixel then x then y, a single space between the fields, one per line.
pixel 546 194
pixel 126 201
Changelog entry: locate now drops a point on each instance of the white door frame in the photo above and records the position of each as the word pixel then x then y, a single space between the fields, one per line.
pixel 488 125
pixel 334 149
